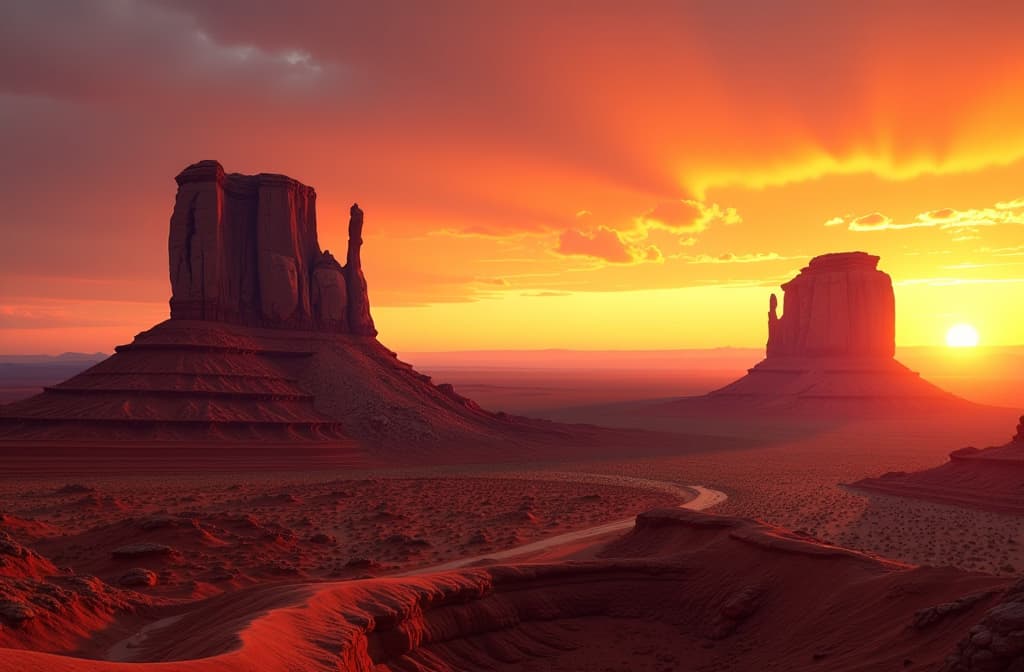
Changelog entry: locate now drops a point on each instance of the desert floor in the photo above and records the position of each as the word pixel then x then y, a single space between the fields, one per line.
pixel 179 535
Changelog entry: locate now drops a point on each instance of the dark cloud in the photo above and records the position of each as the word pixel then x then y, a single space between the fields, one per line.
pixel 134 52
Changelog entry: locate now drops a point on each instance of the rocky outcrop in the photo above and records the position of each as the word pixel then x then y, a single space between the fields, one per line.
pixel 991 479
pixel 996 644
pixel 243 249
pixel 839 305
pixel 1019 436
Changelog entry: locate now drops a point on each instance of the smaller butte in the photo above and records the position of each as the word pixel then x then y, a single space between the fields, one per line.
pixel 831 351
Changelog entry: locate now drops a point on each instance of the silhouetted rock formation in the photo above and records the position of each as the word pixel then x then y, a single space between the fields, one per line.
pixel 840 304
pixel 243 249
pixel 270 340
pixel 833 346
pixel 1019 436
pixel 359 318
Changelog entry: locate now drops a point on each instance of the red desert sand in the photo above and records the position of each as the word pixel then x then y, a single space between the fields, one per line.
pixel 682 590
pixel 258 484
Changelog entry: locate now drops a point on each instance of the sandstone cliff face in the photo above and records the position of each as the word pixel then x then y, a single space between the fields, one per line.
pixel 243 249
pixel 330 293
pixel 839 305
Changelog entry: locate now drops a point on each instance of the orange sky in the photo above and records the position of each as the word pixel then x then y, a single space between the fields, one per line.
pixel 581 175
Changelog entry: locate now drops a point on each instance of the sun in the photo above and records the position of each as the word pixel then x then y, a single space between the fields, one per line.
pixel 962 336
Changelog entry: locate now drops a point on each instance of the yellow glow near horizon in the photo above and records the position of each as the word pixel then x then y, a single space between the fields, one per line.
pixel 962 336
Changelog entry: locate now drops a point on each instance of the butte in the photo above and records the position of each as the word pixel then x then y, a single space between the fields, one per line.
pixel 832 349
pixel 270 341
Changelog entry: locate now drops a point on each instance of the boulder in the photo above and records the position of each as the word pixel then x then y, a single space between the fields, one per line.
pixel 15 612
pixel 736 609
pixel 139 577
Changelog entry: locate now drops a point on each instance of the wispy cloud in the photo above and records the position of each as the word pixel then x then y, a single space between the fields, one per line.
pixel 730 258
pixel 648 237
pixel 1016 251
pixel 964 222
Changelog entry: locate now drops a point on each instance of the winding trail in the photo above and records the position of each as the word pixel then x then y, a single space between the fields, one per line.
pixel 698 497
pixel 703 498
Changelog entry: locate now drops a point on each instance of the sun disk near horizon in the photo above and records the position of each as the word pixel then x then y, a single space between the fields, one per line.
pixel 962 336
